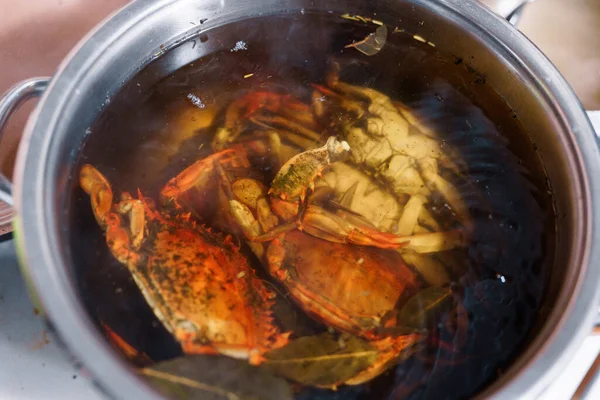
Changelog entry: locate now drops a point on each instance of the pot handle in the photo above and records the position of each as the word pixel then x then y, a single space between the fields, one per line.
pixel 9 103
pixel 511 10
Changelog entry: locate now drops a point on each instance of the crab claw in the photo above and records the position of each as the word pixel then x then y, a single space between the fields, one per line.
pixel 199 174
pixel 101 195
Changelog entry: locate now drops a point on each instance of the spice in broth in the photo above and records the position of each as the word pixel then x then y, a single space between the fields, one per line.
pixel 287 219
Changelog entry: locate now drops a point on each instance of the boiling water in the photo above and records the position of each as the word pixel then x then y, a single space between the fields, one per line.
pixel 154 129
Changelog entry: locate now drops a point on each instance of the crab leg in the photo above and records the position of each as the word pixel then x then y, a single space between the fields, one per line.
pixel 335 228
pixel 288 134
pixel 432 271
pixel 427 220
pixel 429 171
pixel 320 96
pixel 235 116
pixel 266 219
pixel 435 241
pixel 244 216
pixel 251 227
pixel 233 124
pixel 245 195
pixel 239 110
pixel 240 210
pixel 299 112
pixel 198 174
pixel 410 215
pixel 271 147
pixel 288 124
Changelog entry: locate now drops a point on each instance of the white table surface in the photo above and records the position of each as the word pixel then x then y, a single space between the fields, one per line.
pixel 34 367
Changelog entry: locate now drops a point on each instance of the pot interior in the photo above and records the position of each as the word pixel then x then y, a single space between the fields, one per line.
pixel 485 111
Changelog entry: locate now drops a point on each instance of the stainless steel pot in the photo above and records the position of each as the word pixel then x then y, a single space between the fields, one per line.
pixel 118 48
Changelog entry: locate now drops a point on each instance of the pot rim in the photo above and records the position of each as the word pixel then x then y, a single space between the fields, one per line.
pixel 43 266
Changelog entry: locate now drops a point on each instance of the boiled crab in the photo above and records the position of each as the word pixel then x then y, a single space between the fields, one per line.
pixel 333 263
pixel 350 240
pixel 355 289
pixel 283 207
pixel 391 175
pixel 197 283
pixel 297 124
pixel 390 142
pixel 207 295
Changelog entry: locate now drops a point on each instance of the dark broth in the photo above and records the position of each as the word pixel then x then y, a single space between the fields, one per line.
pixel 152 130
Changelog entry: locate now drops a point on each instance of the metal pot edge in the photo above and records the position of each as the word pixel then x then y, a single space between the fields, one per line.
pixel 584 312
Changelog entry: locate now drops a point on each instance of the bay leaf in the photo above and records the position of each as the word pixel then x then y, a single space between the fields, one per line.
pixel 424 307
pixel 289 316
pixel 323 360
pixel 205 377
pixel 373 43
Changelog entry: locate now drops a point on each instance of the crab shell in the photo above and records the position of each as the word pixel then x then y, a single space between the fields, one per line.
pixel 205 293
pixel 351 288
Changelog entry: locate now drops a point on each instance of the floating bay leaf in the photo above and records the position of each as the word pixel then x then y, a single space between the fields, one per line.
pixel 373 43
pixel 424 307
pixel 289 316
pixel 215 378
pixel 322 360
